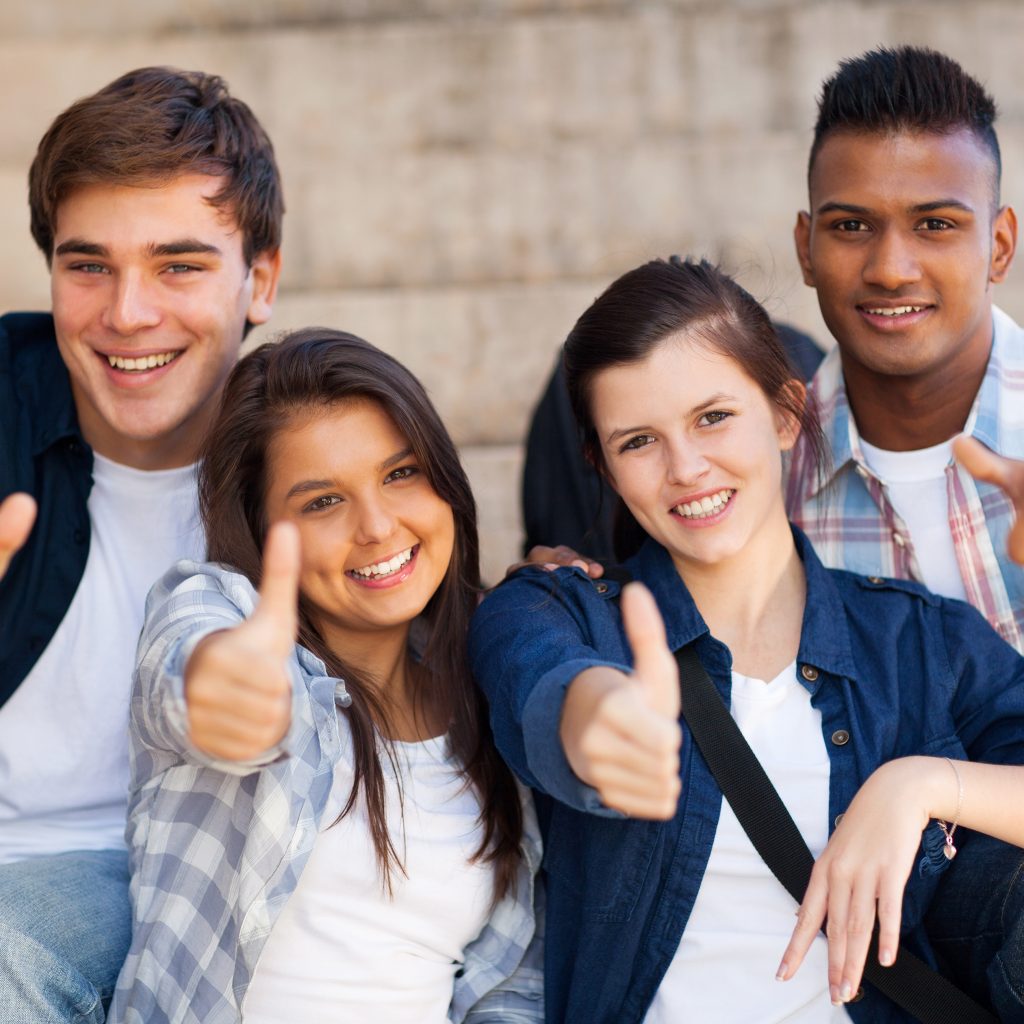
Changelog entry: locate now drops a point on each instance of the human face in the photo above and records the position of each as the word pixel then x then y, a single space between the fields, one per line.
pixel 902 243
pixel 692 446
pixel 152 274
pixel 376 538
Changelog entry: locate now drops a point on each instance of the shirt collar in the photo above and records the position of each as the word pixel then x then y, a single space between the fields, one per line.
pixel 824 635
pixel 986 415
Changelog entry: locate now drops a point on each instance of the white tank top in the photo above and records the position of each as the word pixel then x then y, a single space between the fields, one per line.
pixel 342 950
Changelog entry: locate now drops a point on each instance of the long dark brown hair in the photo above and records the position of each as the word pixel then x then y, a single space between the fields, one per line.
pixel 667 297
pixel 313 369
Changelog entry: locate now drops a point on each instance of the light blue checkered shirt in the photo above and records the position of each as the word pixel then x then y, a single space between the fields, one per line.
pixel 853 525
pixel 217 847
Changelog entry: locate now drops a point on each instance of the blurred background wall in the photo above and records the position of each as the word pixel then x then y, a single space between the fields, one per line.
pixel 463 176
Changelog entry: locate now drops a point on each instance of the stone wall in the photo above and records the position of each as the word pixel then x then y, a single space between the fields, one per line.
pixel 463 177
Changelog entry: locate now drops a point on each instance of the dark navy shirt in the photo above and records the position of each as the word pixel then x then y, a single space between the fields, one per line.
pixel 893 669
pixel 42 452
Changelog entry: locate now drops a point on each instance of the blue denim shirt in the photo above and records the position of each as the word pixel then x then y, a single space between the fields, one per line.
pixel 898 671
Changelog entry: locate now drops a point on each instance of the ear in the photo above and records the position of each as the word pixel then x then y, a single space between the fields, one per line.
pixel 802 238
pixel 266 272
pixel 787 426
pixel 1004 244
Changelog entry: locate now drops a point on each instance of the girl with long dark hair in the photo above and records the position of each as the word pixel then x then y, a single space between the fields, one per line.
pixel 320 826
pixel 863 698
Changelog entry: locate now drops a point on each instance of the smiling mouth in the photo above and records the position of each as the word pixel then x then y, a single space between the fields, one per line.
pixel 140 364
pixel 892 311
pixel 380 570
pixel 701 508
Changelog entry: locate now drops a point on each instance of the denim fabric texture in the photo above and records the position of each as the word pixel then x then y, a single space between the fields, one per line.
pixel 43 453
pixel 65 926
pixel 893 669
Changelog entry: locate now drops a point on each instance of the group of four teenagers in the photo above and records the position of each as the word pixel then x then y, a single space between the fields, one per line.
pixel 320 824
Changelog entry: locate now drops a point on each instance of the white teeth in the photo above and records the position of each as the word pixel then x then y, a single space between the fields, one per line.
pixel 700 508
pixel 895 310
pixel 142 362
pixel 385 568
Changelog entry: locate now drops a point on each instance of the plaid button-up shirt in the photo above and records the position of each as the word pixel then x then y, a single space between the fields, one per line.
pixel 217 847
pixel 853 525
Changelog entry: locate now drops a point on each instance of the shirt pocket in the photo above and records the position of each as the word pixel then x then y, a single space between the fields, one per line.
pixel 604 861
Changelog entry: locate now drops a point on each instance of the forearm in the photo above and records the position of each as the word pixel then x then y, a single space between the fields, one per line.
pixel 993 795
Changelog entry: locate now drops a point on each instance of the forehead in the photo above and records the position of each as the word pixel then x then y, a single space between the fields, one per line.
pixel 121 215
pixel 344 437
pixel 877 169
pixel 676 376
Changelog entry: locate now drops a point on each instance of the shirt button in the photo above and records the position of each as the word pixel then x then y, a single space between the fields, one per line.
pixel 898 538
pixel 839 818
pixel 601 588
pixel 840 737
pixel 341 695
pixel 809 672
pixel 875 579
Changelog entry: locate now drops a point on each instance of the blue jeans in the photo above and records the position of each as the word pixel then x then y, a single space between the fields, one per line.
pixel 65 927
pixel 976 924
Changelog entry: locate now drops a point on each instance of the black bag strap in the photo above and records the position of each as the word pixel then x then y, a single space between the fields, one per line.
pixel 909 982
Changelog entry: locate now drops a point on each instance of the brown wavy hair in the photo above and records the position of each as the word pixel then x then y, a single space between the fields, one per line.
pixel 148 127
pixel 311 370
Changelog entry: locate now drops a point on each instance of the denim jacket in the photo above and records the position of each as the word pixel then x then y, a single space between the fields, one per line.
pixel 893 669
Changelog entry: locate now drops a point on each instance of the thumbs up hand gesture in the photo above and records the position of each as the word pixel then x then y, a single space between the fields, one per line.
pixel 237 686
pixel 984 464
pixel 620 732
pixel 17 514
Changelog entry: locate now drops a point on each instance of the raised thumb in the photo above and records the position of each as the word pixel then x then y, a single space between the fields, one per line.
pixel 654 665
pixel 277 614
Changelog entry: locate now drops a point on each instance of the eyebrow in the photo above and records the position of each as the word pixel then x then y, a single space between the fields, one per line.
pixel 918 208
pixel 305 486
pixel 179 247
pixel 715 399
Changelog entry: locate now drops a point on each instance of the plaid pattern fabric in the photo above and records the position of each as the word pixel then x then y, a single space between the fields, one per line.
pixel 852 523
pixel 217 847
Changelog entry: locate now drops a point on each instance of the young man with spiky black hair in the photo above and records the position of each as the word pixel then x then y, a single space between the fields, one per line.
pixel 903 241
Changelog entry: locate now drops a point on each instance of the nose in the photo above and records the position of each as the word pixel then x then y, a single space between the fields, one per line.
pixel 686 463
pixel 376 521
pixel 132 306
pixel 892 261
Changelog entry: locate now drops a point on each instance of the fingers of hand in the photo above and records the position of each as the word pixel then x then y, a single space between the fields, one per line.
pixel 17 514
pixel 238 698
pixel 890 913
pixel 860 923
pixel 631 756
pixel 981 462
pixel 276 615
pixel 810 917
pixel 654 665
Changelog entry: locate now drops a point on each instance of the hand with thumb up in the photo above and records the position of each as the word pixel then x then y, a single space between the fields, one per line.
pixel 237 686
pixel 620 732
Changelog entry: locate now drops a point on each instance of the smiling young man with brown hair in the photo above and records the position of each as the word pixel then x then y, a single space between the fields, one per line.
pixel 157 205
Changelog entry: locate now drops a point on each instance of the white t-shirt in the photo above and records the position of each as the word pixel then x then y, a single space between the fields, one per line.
pixel 342 950
pixel 916 485
pixel 64 732
pixel 742 920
